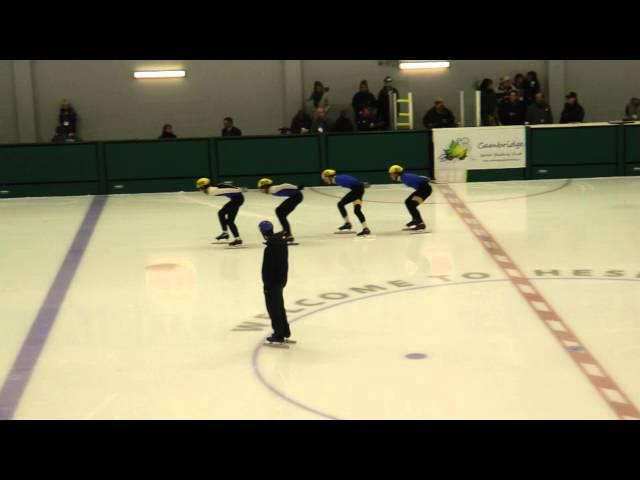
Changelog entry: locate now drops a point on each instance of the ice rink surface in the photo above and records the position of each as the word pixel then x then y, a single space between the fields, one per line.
pixel 523 303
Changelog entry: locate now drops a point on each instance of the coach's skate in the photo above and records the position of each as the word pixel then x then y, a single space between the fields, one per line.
pixel 274 341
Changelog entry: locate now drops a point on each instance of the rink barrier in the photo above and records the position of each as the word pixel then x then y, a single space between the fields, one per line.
pixel 136 166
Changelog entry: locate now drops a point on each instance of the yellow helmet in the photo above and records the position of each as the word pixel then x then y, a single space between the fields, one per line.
pixel 203 182
pixel 263 182
pixel 327 173
pixel 396 169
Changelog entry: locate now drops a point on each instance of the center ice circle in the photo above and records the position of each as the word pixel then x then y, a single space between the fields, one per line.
pixel 355 365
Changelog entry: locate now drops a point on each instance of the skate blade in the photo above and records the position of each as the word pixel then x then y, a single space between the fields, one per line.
pixel 365 237
pixel 419 232
pixel 293 243
pixel 276 345
pixel 222 242
pixel 236 248
pixel 344 232
pixel 290 341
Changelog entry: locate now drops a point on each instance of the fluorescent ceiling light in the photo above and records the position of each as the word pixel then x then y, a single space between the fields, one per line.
pixel 160 74
pixel 423 64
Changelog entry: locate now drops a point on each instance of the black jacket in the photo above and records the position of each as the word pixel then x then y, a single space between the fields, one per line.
pixel 232 132
pixel 384 115
pixel 572 113
pixel 539 114
pixel 297 124
pixel 435 119
pixel 511 114
pixel 488 103
pixel 325 125
pixel 343 124
pixel 275 262
pixel 362 100
pixel 69 116
pixel 530 90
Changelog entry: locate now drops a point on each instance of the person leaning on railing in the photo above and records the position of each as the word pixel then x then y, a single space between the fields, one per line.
pixel 229 130
pixel 632 110
pixel 573 111
pixel 539 112
pixel 320 123
pixel 301 123
pixel 512 111
pixel 67 117
pixel 439 116
pixel 488 103
pixel 167 132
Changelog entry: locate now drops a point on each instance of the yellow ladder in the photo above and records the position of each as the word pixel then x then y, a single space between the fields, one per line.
pixel 404 115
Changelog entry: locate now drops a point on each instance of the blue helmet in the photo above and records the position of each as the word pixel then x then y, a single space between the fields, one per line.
pixel 265 226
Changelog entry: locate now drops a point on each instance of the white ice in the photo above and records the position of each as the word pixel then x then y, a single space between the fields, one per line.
pixel 160 323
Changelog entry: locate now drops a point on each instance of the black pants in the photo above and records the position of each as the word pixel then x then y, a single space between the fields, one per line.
pixel 356 193
pixel 285 208
pixel 227 214
pixel 424 191
pixel 275 306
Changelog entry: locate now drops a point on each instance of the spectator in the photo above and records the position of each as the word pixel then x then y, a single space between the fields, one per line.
pixel 229 130
pixel 67 116
pixel 72 137
pixel 539 113
pixel 512 112
pixel 519 84
pixel 301 123
pixel 573 111
pixel 60 135
pixel 488 104
pixel 367 120
pixel 632 111
pixel 532 87
pixel 384 114
pixel 504 88
pixel 167 132
pixel 363 100
pixel 439 116
pixel 319 97
pixel 320 123
pixel 343 123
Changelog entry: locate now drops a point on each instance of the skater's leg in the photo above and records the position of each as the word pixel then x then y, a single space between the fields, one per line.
pixel 222 216
pixel 342 210
pixel 346 200
pixel 358 193
pixel 235 205
pixel 281 212
pixel 412 203
pixel 285 209
pixel 417 198
pixel 357 209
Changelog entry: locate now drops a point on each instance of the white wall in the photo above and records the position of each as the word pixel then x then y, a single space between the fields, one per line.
pixel 8 120
pixel 262 95
pixel 604 87
pixel 111 104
